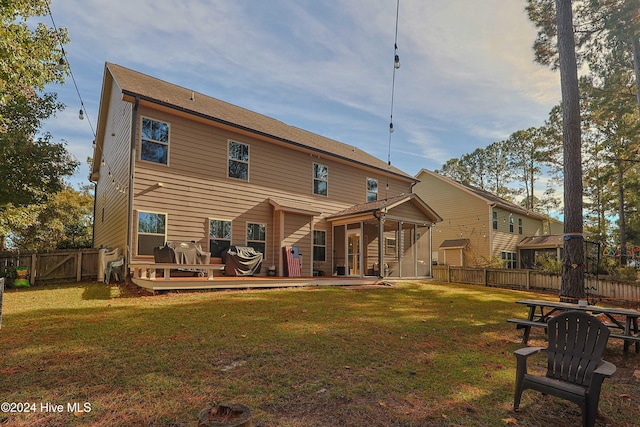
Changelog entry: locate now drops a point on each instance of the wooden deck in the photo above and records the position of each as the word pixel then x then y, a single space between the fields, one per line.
pixel 144 275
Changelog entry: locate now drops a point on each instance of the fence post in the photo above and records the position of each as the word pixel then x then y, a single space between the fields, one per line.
pixel 79 266
pixel 32 278
pixel 528 279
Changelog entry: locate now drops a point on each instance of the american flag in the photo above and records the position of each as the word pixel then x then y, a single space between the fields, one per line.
pixel 294 269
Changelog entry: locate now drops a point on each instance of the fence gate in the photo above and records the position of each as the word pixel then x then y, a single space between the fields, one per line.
pixel 57 266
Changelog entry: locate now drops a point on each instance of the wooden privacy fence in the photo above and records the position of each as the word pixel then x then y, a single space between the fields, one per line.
pixel 534 280
pixel 58 266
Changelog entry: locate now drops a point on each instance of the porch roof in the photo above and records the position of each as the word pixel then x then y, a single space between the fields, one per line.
pixel 293 206
pixel 388 204
pixel 454 244
pixel 539 242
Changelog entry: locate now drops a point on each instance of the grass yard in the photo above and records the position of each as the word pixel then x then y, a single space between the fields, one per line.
pixel 416 354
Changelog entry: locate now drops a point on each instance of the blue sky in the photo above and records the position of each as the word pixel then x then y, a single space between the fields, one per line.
pixel 467 76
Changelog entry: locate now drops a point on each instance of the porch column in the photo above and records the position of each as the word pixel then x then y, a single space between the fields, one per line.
pixel 381 246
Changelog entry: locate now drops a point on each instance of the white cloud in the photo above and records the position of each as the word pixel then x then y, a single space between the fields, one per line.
pixel 467 69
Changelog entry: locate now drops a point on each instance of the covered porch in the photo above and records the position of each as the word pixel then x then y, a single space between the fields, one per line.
pixel 386 238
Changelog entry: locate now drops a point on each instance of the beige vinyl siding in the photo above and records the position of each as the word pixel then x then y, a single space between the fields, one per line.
pixel 504 239
pixel 111 228
pixel 297 232
pixel 464 215
pixel 195 186
pixel 409 212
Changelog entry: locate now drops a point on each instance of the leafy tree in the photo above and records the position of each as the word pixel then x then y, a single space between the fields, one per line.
pixel 604 29
pixel 498 171
pixel 457 170
pixel 33 165
pixel 63 222
pixel 29 59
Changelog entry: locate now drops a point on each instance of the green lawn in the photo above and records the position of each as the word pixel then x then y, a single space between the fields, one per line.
pixel 416 354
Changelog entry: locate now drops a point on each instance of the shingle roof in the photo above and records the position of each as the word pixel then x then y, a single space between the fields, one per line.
pixel 158 91
pixel 370 207
pixel 389 203
pixel 455 243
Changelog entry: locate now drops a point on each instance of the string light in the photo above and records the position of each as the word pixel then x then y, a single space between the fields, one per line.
pixel 396 65
pixel 63 63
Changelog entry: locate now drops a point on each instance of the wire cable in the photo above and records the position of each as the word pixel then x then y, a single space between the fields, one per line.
pixel 64 56
pixel 396 65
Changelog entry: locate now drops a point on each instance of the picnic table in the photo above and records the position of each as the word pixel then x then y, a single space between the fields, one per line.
pixel 622 322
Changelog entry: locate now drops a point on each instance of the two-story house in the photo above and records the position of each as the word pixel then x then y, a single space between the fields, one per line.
pixel 171 164
pixel 480 229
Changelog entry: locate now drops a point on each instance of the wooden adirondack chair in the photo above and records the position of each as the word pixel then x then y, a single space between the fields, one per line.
pixel 575 369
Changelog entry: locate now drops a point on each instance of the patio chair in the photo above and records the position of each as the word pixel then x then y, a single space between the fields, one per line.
pixel 115 268
pixel 575 369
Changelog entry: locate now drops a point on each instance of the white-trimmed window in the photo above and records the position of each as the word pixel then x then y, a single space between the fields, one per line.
pixel 152 231
pixel 219 236
pixel 510 260
pixel 372 190
pixel 154 146
pixel 257 236
pixel 319 245
pixel 510 223
pixel 320 179
pixel 238 160
pixel 390 246
pixel 494 217
pixel 519 225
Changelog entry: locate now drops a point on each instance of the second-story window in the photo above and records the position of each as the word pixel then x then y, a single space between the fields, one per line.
pixel 320 179
pixel 510 223
pixel 494 215
pixel 519 225
pixel 372 190
pixel 155 141
pixel 238 160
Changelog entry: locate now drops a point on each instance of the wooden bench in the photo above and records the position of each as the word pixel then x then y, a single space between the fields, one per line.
pixel 148 270
pixel 528 324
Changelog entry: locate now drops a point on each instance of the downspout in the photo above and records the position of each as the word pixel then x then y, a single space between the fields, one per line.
pixel 491 206
pixel 95 205
pixel 380 243
pixel 431 250
pixel 132 163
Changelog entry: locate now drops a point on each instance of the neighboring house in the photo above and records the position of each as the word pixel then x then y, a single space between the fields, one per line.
pixel 479 228
pixel 171 164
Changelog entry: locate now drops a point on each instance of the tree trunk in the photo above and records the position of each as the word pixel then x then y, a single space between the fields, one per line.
pixel 636 68
pixel 622 222
pixel 573 257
